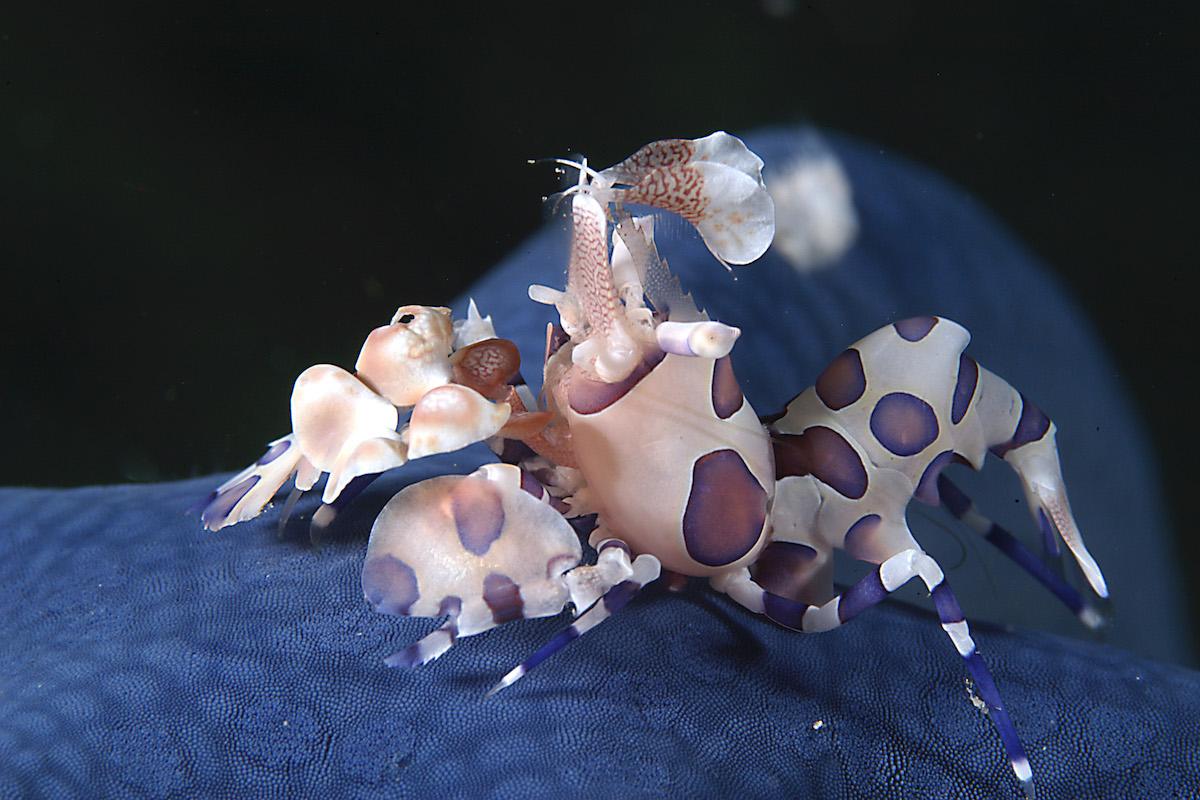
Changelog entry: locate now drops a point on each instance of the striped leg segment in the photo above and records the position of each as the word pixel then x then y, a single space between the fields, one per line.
pixel 433 645
pixel 963 508
pixel 646 569
pixel 870 591
pixel 586 585
pixel 955 626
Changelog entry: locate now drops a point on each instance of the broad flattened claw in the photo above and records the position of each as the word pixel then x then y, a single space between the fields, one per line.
pixel 368 457
pixel 451 417
pixel 332 412
pixel 245 495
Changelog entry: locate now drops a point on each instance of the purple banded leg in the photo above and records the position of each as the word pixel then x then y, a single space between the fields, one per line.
pixel 645 570
pixel 955 626
pixel 963 508
pixel 433 645
pixel 869 591
pixel 587 584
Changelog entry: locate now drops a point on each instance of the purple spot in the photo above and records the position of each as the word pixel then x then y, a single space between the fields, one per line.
pixel 726 394
pixel 532 485
pixel 785 568
pixel 1030 428
pixel 843 381
pixel 964 388
pixel 858 541
pixel 927 487
pixel 478 514
pixel 223 503
pixel 276 450
pixel 824 454
pixel 914 329
pixel 503 597
pixel 869 591
pixel 904 424
pixel 726 509
pixel 588 396
pixel 389 585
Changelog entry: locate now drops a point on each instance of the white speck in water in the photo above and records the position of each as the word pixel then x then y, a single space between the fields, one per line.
pixel 285 723
pixel 818 725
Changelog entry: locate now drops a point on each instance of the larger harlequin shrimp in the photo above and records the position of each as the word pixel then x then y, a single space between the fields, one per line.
pixel 639 389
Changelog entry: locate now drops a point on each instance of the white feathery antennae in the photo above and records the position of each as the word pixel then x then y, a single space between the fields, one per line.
pixel 580 165
pixel 586 176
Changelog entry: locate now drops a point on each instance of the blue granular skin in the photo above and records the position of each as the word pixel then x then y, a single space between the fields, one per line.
pixel 141 656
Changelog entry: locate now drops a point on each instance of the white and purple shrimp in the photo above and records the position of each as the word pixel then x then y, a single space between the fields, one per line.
pixel 639 390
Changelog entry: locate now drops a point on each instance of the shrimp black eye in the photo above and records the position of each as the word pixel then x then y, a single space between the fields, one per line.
pixel 407 318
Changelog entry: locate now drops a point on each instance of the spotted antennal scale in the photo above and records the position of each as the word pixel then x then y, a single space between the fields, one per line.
pixel 715 183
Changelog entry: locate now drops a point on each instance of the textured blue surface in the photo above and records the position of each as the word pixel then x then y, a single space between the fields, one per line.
pixel 142 656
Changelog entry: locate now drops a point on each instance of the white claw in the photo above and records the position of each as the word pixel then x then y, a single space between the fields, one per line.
pixel 450 418
pixel 333 411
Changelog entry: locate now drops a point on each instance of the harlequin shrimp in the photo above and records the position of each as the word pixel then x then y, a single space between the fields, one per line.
pixel 639 389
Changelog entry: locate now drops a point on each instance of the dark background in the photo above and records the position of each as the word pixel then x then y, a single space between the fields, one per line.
pixel 197 204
